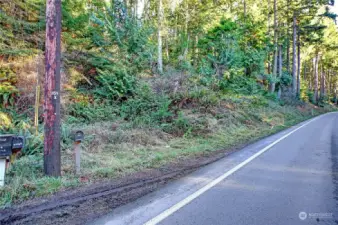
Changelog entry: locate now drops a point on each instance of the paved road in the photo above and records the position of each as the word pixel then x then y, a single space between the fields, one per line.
pixel 288 178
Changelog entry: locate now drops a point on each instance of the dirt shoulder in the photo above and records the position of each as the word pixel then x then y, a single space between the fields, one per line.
pixel 87 203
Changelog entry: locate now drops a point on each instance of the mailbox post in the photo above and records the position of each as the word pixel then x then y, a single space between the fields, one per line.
pixel 9 145
pixel 2 171
pixel 5 153
pixel 78 137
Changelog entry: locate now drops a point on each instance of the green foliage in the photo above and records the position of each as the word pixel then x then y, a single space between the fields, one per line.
pixel 239 84
pixel 33 144
pixel 221 46
pixel 271 96
pixel 146 107
pixel 28 167
pixel 114 83
pixel 7 93
pixel 179 126
pixel 97 111
pixel 73 21
pixel 163 112
pixel 253 42
pixel 124 51
pixel 229 46
pixel 21 175
pixel 122 31
pixel 286 79
pixel 19 22
pixel 7 87
pixel 271 78
pixel 22 125
pixel 13 122
pixel 233 81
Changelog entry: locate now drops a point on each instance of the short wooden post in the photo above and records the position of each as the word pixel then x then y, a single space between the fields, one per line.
pixel 78 137
pixel 77 151
pixel 2 171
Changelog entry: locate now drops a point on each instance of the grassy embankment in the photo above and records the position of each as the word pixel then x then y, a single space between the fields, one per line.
pixel 149 131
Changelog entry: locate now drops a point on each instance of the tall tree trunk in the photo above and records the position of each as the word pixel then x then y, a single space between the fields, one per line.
pixel 298 66
pixel 311 75
pixel 294 56
pixel 167 49
pixel 159 38
pixel 305 71
pixel 244 9
pixel 136 9
pixel 186 26
pixel 328 84
pixel 288 55
pixel 322 83
pixel 269 65
pixel 125 2
pixel 52 156
pixel 268 34
pixel 269 17
pixel 176 28
pixel 335 94
pixel 315 96
pixel 186 49
pixel 288 39
pixel 280 69
pixel 275 53
pixel 196 51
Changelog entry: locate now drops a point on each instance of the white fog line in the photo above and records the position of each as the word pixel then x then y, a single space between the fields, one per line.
pixel 196 194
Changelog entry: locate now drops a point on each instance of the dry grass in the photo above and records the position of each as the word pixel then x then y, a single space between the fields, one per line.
pixel 115 149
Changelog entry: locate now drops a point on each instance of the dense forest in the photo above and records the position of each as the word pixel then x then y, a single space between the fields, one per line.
pixel 141 75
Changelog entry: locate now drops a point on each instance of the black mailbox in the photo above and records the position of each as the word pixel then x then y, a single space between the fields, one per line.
pixel 6 145
pixel 78 136
pixel 18 143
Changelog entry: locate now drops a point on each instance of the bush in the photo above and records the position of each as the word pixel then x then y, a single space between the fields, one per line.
pixel 179 126
pixel 286 79
pixel 97 111
pixel 115 83
pixel 7 87
pixel 146 107
pixel 33 144
pixel 239 84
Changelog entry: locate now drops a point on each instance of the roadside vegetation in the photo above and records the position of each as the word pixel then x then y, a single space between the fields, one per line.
pixel 157 83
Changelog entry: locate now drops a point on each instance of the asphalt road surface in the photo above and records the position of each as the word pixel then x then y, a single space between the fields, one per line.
pixel 288 178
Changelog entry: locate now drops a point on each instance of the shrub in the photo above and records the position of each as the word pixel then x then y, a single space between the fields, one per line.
pixel 97 111
pixel 115 82
pixel 7 87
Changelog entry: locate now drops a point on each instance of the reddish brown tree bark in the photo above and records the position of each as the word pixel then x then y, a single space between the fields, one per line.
pixel 52 157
